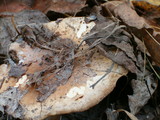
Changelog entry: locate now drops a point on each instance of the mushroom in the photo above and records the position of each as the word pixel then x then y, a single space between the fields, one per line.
pixel 56 78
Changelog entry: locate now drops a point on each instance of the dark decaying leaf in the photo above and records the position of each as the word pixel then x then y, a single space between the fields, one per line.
pixel 130 115
pixel 152 43
pixel 47 87
pixel 16 71
pixel 64 6
pixel 8 32
pixel 116 46
pixel 115 42
pixel 57 61
pixel 111 115
pixel 59 64
pixel 19 5
pixel 9 100
pixel 142 93
pixel 147 32
pixel 142 27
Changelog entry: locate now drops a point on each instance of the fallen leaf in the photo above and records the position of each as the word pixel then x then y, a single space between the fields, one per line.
pixel 108 37
pixel 118 44
pixel 19 5
pixel 144 29
pixel 142 93
pixel 8 32
pixel 130 115
pixel 64 6
pixel 10 101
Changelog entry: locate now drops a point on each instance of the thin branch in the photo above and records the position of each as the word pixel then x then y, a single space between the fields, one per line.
pixel 107 72
pixel 152 37
pixel 100 40
pixel 85 38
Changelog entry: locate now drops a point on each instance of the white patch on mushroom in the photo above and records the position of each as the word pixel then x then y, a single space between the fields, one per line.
pixel 82 29
pixel 75 91
pixel 20 52
pixel 22 81
pixel 21 61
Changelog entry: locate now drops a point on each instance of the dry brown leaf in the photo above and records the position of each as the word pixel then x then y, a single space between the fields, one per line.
pixel 66 6
pixel 147 8
pixel 111 40
pixel 139 26
pixel 130 115
pixel 8 31
pixel 146 30
pixel 19 5
pixel 141 93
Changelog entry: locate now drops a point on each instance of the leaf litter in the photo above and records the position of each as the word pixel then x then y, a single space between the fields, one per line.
pixel 115 40
pixel 115 36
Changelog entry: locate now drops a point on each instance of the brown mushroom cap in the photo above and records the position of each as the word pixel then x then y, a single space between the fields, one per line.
pixel 76 94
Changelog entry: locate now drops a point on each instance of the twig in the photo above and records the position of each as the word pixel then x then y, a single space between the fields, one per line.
pixel 153 69
pixel 46 47
pixel 13 22
pixel 85 38
pixel 144 71
pixel 107 72
pixel 41 109
pixel 100 40
pixel 152 37
pixel 2 81
pixel 14 25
